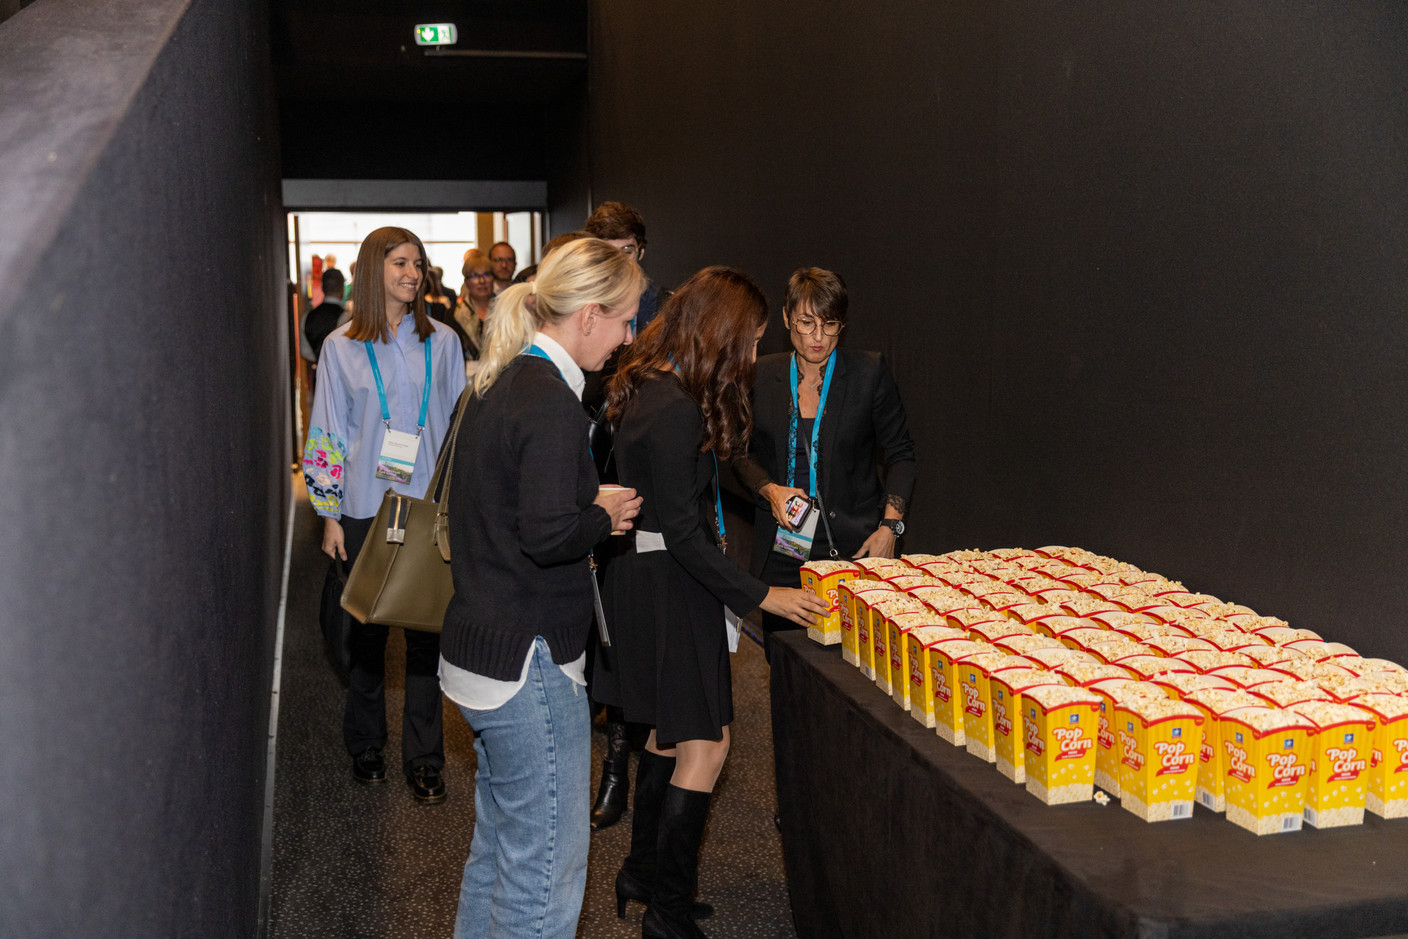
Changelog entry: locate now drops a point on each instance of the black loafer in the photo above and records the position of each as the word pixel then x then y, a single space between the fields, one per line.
pixel 426 784
pixel 368 766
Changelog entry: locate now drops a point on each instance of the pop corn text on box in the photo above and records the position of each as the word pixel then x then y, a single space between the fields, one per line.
pixel 823 578
pixel 921 674
pixel 1266 769
pixel 1213 703
pixel 1388 762
pixel 974 681
pixel 1158 744
pixel 1341 745
pixel 880 612
pixel 1113 691
pixel 865 635
pixel 1059 724
pixel 948 698
pixel 850 619
pixel 1008 735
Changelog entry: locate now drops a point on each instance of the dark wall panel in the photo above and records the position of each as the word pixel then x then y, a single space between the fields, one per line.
pixel 1138 268
pixel 144 450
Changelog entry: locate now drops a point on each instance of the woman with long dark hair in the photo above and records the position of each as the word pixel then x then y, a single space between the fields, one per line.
pixel 388 380
pixel 525 511
pixel 680 405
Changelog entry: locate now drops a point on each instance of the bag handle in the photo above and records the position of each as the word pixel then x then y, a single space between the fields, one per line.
pixel 439 491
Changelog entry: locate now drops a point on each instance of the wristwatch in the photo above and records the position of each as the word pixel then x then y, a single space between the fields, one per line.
pixel 895 525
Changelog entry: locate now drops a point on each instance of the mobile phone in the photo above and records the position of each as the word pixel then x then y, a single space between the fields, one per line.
pixel 796 511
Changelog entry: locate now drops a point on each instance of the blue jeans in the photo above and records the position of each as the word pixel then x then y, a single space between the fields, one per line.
pixel 527 867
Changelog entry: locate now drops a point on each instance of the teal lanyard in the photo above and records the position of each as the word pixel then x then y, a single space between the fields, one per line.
pixel 718 496
pixel 381 387
pixel 816 425
pixel 537 350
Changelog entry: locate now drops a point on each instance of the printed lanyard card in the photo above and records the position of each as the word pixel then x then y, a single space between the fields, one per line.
pixel 398 456
pixel 796 544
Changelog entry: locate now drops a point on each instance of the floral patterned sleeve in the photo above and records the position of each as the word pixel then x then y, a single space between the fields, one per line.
pixel 325 452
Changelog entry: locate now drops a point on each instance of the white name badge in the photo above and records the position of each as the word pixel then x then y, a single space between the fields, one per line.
pixel 731 629
pixel 797 544
pixel 397 460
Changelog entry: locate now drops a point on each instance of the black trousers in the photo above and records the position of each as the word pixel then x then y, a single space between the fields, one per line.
pixel 364 718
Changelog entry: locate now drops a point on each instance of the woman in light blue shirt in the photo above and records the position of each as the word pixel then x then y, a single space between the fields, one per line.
pixel 388 381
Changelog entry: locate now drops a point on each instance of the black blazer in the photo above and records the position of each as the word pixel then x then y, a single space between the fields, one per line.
pixel 864 415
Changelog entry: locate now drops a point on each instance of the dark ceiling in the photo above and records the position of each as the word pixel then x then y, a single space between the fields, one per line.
pixel 358 99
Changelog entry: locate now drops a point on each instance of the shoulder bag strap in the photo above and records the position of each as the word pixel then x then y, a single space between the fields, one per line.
pixel 439 491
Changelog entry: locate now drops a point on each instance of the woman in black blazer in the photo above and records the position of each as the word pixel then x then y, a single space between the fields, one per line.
pixel 857 514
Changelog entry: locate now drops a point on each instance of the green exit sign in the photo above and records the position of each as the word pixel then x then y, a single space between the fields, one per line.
pixel 436 34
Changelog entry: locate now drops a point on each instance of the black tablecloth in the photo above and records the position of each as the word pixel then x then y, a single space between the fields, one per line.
pixel 890 831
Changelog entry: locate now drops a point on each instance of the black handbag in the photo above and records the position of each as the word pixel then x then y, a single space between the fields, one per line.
pixel 335 621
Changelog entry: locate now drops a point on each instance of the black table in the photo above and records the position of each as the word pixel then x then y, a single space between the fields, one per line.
pixel 890 831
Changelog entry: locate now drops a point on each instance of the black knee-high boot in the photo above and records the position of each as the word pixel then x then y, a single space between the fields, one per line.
pixel 682 817
pixel 636 878
pixel 615 775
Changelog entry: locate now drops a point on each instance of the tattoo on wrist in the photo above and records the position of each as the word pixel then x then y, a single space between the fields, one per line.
pixel 899 504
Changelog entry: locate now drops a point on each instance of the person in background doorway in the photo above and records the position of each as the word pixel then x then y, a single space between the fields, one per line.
pixel 525 511
pixel 505 261
pixel 347 291
pixel 478 294
pixel 566 238
pixel 438 307
pixel 680 403
pixel 326 316
pixel 527 275
pixel 622 226
pixel 821 415
pixel 388 381
pixel 450 298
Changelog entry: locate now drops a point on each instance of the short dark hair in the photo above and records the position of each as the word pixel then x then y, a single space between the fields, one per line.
pixel 563 239
pixel 502 244
pixel 333 282
pixel 821 291
pixel 613 221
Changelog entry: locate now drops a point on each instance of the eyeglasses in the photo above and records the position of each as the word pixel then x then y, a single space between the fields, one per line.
pixel 632 251
pixel 504 259
pixel 805 325
pixel 477 275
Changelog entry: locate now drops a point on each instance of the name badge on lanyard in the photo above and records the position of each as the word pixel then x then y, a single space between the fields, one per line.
pixel 798 544
pixel 397 461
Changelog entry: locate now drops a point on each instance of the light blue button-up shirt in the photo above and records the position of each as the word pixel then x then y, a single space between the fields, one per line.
pixel 345 430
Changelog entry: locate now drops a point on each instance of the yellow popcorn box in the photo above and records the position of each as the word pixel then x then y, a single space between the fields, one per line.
pixel 1021 645
pixel 1087 673
pixel 865 635
pixel 1148 666
pixel 911 579
pixel 1006 689
pixel 1159 743
pixel 880 610
pixel 824 579
pixel 898 626
pixel 877 568
pixel 1341 746
pixel 974 681
pixel 1388 761
pixel 948 698
pixel 1059 724
pixel 1267 768
pixel 850 619
pixel 1111 692
pixel 1212 703
pixel 1180 684
pixel 921 676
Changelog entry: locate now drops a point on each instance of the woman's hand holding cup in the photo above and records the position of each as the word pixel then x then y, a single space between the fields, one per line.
pixel 621 504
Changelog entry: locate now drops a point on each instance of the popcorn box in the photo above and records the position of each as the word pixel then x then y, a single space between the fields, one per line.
pixel 1080 633
pixel 1283 694
pixel 1341 746
pixel 948 699
pixel 823 578
pixel 1006 689
pixel 1059 724
pixel 919 641
pixel 1058 621
pixel 1115 649
pixel 1159 742
pixel 974 680
pixel 1021 645
pixel 1107 754
pixel 1148 666
pixel 997 629
pixel 1212 703
pixel 1249 678
pixel 1180 684
pixel 1205 661
pixel 1085 673
pixel 851 619
pixel 877 568
pixel 880 610
pixel 1051 658
pixel 1388 761
pixel 1267 766
pixel 898 626
pixel 1320 650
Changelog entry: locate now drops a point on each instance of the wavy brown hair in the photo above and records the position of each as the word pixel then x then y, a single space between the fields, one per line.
pixel 708 331
pixel 369 287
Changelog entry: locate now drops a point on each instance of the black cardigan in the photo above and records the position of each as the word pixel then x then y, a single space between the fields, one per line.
pixel 522 520
pixel 863 415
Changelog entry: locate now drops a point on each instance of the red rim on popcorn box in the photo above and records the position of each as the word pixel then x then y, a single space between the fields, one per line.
pixel 876 568
pixel 1111 691
pixel 1031 611
pixel 1021 645
pixel 910 579
pixel 1090 606
pixel 1087 673
pixel 1143 632
pixel 1122 619
pixel 899 626
pixel 1180 684
pixel 823 578
pixel 1213 703
pixel 1080 634
pixel 1346 689
pixel 1232 640
pixel 1376 666
pixel 1146 666
pixel 1341 746
pixel 1159 741
pixel 865 637
pixel 1006 689
pixel 974 675
pixel 1282 694
pixel 1266 768
pixel 919 560
pixel 1172 645
pixel 1058 729
pixel 1282 634
pixel 1116 649
pixel 1052 623
pixel 1270 656
pixel 848 593
pixel 1321 651
pixel 996 629
pixel 942 599
pixel 1206 661
pixel 948 698
pixel 1249 678
pixel 1051 658
pixel 921 675
pixel 1388 763
pixel 880 612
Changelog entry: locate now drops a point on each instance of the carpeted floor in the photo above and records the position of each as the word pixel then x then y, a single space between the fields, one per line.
pixel 351 860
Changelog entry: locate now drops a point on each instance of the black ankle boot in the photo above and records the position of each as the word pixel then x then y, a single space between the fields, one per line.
pixel 637 875
pixel 615 778
pixel 683 814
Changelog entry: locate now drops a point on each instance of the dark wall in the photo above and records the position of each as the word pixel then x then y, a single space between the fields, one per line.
pixel 1138 267
pixel 144 452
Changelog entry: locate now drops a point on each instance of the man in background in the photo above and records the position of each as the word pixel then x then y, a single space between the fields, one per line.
pixel 505 261
pixel 326 316
pixel 622 226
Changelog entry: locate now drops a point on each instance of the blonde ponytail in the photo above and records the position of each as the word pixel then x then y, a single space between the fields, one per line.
pixel 585 271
